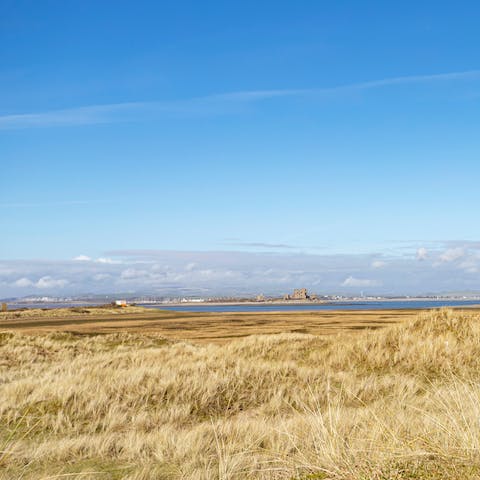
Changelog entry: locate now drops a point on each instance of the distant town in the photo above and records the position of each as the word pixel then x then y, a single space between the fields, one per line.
pixel 299 295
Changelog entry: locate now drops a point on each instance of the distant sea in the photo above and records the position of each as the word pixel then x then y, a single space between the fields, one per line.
pixel 359 305
pixel 276 307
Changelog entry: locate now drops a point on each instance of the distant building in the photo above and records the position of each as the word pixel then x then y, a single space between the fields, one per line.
pixel 120 303
pixel 260 298
pixel 300 294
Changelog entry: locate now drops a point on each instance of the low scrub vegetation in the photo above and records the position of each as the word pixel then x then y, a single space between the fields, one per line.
pixel 397 403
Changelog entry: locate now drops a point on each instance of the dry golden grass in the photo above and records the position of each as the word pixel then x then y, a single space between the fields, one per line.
pixel 401 402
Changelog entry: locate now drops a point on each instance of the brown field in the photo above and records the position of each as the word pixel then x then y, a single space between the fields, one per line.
pixel 197 327
pixel 108 394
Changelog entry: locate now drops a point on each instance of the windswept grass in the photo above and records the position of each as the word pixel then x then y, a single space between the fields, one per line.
pixel 398 403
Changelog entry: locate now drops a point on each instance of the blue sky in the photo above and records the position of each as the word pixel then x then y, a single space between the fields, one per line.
pixel 310 139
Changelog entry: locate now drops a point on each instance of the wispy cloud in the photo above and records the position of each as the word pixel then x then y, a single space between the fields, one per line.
pixel 221 103
pixel 43 204
pixel 385 82
pixel 465 75
pixel 84 115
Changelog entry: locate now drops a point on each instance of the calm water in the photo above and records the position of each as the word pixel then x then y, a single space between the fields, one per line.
pixel 371 305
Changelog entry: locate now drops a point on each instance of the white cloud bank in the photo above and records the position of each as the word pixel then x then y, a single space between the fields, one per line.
pixel 359 282
pixel 422 253
pixel 82 258
pixel 86 258
pixel 45 282
pixel 445 267
pixel 452 254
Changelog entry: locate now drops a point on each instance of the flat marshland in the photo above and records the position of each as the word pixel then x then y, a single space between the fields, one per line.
pixel 83 397
pixel 197 327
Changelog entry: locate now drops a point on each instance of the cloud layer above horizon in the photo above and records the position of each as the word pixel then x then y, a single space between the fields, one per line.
pixel 451 266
